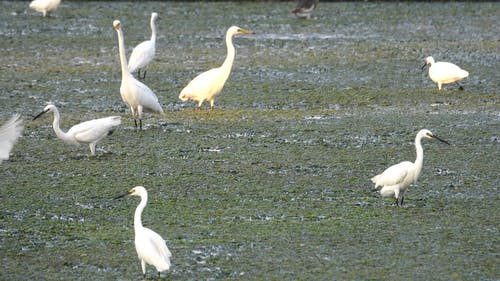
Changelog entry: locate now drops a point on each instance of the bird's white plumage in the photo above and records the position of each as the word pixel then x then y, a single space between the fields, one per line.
pixel 396 179
pixel 9 134
pixel 144 53
pixel 444 72
pixel 139 97
pixel 45 6
pixel 88 132
pixel 206 85
pixel 150 246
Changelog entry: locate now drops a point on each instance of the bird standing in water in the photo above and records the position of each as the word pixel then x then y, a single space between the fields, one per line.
pixel 444 72
pixel 206 85
pixel 150 246
pixel 305 8
pixel 396 179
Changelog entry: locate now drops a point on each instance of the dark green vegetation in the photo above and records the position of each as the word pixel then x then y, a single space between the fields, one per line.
pixel 275 183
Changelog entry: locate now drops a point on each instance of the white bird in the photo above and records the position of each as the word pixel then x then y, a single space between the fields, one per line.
pixel 444 72
pixel 305 8
pixel 9 134
pixel 88 132
pixel 135 94
pixel 396 179
pixel 206 85
pixel 45 6
pixel 150 246
pixel 143 53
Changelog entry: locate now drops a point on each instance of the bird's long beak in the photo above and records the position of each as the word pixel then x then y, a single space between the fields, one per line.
pixel 244 31
pixel 122 195
pixel 40 114
pixel 423 66
pixel 440 139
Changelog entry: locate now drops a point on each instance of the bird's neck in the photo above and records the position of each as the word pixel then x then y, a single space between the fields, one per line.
pixel 228 62
pixel 420 156
pixel 138 212
pixel 55 125
pixel 153 31
pixel 121 50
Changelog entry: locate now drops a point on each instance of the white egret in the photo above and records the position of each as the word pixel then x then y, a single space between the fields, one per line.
pixel 396 179
pixel 143 53
pixel 305 8
pixel 206 85
pixel 88 132
pixel 444 72
pixel 135 94
pixel 9 134
pixel 45 6
pixel 150 246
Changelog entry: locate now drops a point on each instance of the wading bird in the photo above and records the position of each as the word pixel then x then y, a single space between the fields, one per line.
pixel 135 94
pixel 45 6
pixel 150 246
pixel 305 8
pixel 396 179
pixel 9 134
pixel 206 85
pixel 444 72
pixel 143 53
pixel 88 132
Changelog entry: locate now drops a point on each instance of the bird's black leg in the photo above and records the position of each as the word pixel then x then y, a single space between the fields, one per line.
pixel 135 123
pixel 460 86
pixel 402 199
pixel 140 124
pixel 144 75
pixel 158 275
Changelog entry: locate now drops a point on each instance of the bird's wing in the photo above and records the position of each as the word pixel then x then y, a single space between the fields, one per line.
pixel 394 174
pixel 141 56
pixel 92 130
pixel 9 133
pixel 157 246
pixel 147 98
pixel 203 83
pixel 446 71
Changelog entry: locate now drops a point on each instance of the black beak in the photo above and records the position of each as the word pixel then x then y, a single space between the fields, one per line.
pixel 40 114
pixel 423 66
pixel 122 195
pixel 440 139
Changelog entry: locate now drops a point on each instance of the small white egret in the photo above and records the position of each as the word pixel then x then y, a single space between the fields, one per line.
pixel 143 53
pixel 396 179
pixel 206 85
pixel 88 132
pixel 444 72
pixel 135 94
pixel 45 6
pixel 150 246
pixel 305 8
pixel 9 134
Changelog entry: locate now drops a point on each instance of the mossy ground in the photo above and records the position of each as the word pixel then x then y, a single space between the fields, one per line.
pixel 275 183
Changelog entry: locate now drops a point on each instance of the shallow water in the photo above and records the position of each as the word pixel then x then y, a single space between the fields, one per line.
pixel 273 184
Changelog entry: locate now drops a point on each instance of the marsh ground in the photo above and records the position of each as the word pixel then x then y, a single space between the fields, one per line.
pixel 275 183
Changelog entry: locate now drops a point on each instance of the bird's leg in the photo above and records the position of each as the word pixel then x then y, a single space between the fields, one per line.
pixel 135 123
pixel 144 75
pixel 460 86
pixel 92 149
pixel 212 105
pixel 158 275
pixel 140 124
pixel 402 199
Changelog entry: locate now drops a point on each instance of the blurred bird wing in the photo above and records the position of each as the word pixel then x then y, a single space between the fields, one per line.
pixel 153 249
pixel 204 83
pixel 447 72
pixel 141 56
pixel 92 130
pixel 147 98
pixel 9 133
pixel 394 174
